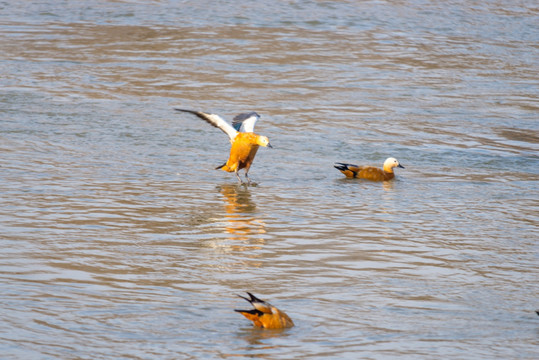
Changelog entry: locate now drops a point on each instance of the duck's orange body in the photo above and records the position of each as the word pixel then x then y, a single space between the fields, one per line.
pixel 265 315
pixel 242 152
pixel 370 172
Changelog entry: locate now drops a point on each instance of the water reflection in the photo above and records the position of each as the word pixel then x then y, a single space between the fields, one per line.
pixel 238 198
pixel 241 222
pixel 241 228
pixel 386 185
pixel 260 339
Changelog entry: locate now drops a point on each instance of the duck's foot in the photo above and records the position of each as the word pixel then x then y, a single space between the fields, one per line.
pixel 249 182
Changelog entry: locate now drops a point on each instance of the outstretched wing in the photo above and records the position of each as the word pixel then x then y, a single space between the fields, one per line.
pixel 214 120
pixel 245 122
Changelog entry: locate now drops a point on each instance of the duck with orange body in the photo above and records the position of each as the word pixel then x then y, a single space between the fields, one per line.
pixel 245 142
pixel 264 315
pixel 370 172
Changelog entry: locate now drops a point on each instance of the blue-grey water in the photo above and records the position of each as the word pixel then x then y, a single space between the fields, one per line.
pixel 120 241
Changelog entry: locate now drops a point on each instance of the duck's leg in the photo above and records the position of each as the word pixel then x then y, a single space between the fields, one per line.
pixel 238 176
pixel 247 177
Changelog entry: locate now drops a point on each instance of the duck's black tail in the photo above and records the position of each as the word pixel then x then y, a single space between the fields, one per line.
pixel 341 166
pixel 347 169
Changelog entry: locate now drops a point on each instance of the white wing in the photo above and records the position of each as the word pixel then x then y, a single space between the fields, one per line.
pixel 214 120
pixel 245 122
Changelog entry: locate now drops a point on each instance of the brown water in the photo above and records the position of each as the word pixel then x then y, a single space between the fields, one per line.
pixel 119 240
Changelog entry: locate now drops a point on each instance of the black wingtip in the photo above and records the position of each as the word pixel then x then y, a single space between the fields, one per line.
pixel 254 298
pixel 185 110
pixel 340 166
pixel 252 312
pixel 243 297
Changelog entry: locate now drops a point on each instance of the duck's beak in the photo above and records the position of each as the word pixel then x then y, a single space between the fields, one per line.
pixel 269 145
pixel 402 167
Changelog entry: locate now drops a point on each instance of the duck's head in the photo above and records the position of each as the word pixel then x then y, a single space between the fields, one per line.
pixel 391 163
pixel 263 141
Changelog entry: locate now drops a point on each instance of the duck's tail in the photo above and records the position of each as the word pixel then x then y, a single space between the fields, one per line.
pixel 259 304
pixel 347 169
pixel 223 167
pixel 254 314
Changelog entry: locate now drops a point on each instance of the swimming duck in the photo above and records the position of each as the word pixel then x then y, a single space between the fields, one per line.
pixel 265 315
pixel 370 172
pixel 244 141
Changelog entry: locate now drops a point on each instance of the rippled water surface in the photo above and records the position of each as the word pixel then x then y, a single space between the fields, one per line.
pixel 120 240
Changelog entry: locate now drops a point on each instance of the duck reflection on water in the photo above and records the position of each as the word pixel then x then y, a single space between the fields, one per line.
pixel 241 220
